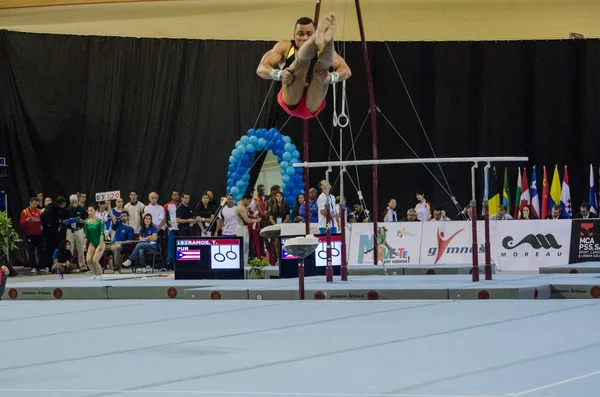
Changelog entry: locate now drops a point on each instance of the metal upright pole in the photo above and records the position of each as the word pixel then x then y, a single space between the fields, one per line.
pixel 329 267
pixel 486 219
pixel 373 111
pixel 474 246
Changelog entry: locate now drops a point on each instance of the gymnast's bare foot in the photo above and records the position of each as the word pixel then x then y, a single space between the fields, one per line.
pixel 326 30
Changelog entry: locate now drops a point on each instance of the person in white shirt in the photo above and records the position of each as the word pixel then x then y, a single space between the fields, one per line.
pixel 135 209
pixel 390 214
pixel 158 212
pixel 423 208
pixel 501 215
pixel 226 221
pixel 326 199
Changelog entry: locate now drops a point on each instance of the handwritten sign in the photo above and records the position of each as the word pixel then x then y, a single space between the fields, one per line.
pixel 108 196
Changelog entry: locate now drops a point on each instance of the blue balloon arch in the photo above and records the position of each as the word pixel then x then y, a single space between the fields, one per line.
pixel 242 158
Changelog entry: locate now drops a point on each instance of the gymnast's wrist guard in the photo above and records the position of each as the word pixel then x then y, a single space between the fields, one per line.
pixel 276 74
pixel 335 77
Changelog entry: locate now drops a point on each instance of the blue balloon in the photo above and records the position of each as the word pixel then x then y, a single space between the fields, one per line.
pixel 299 171
pixel 296 154
pixel 290 171
pixel 284 164
pixel 237 154
pixel 240 184
pixel 285 179
pixel 235 191
pixel 287 156
pixel 287 139
pixel 262 143
pixel 238 144
pixel 245 140
pixel 250 148
pixel 280 144
pixel 253 140
pixel 273 130
pixel 289 147
pixel 283 171
pixel 242 150
pixel 261 132
pixel 269 135
pixel 246 177
pixel 231 159
pixel 251 132
pixel 278 152
pixel 228 190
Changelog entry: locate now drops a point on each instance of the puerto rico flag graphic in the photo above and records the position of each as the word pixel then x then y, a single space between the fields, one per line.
pixel 183 255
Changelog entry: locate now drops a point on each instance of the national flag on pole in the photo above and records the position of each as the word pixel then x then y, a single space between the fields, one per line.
pixel 518 196
pixel 565 196
pixel 545 195
pixel 555 190
pixel 506 192
pixel 525 193
pixel 592 199
pixel 494 192
pixel 535 199
pixel 191 255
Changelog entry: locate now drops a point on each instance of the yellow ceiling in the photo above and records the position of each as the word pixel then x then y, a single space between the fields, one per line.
pixel 392 20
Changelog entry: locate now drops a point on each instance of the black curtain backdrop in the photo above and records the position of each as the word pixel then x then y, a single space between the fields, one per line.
pixel 104 113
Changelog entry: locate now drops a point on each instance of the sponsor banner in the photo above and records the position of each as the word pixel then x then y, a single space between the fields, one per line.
pixel 398 243
pixel 527 245
pixel 451 243
pixel 585 240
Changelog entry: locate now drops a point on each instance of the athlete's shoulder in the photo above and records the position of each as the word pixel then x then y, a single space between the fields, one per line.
pixel 282 46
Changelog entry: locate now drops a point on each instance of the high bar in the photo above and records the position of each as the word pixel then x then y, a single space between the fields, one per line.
pixel 321 164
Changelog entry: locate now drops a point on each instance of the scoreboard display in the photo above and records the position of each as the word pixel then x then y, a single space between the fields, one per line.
pixel 208 258
pixel 316 263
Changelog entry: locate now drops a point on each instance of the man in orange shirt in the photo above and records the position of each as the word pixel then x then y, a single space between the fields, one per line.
pixel 32 226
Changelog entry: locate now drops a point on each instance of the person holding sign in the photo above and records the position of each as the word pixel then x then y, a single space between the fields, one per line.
pixel 32 226
pixel 93 233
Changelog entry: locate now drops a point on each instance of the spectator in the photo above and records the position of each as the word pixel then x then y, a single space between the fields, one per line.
pixel 52 226
pixel 359 215
pixel 465 214
pixel 102 213
pixel 212 201
pixel 76 216
pixel 501 215
pixel 82 199
pixel 4 272
pixel 326 200
pixel 207 217
pixel 313 209
pixel 296 217
pixel 243 219
pixel 280 212
pixel 411 216
pixel 171 213
pixel 185 217
pixel 148 237
pixel 63 259
pixel 527 213
pixel 584 212
pixel 556 213
pixel 116 211
pixel 226 219
pixel 390 214
pixel 423 208
pixel 32 226
pixel 439 215
pixel 47 202
pixel 39 195
pixel 123 232
pixel 135 209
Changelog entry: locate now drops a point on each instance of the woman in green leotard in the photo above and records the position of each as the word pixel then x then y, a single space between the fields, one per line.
pixel 93 232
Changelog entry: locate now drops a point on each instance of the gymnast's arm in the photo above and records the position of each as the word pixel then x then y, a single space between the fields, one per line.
pixel 271 59
pixel 342 68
